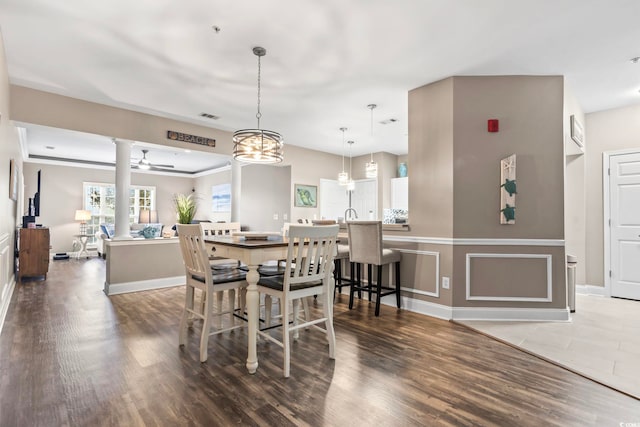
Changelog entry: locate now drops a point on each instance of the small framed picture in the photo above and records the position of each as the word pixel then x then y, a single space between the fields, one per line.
pixel 577 132
pixel 305 196
pixel 13 180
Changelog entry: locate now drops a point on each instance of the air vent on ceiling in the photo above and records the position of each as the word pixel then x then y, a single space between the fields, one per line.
pixel 388 121
pixel 209 116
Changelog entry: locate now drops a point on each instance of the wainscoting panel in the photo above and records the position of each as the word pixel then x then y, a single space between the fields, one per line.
pixel 509 277
pixel 422 269
pixel 7 282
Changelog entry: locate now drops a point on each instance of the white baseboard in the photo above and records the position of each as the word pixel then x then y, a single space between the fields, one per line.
pixel 143 285
pixel 481 313
pixel 512 314
pixel 591 290
pixel 6 300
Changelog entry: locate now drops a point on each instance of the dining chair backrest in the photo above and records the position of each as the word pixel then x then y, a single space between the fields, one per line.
pixel 310 254
pixel 219 228
pixel 365 242
pixel 194 254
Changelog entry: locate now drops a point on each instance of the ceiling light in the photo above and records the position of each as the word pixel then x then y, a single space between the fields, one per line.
pixel 343 177
pixel 351 185
pixel 258 145
pixel 371 168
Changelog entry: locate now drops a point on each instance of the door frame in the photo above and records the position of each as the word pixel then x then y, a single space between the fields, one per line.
pixel 606 214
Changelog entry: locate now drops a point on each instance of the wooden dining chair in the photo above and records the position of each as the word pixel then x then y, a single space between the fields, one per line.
pixel 308 272
pixel 365 247
pixel 201 276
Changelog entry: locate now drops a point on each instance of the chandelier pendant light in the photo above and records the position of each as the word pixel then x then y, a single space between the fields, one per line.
pixel 343 177
pixel 351 185
pixel 258 145
pixel 371 168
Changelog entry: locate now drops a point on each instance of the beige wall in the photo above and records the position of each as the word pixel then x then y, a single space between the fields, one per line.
pixel 455 192
pixel 265 192
pixel 530 110
pixel 62 194
pixel 203 186
pixel 574 206
pixel 610 130
pixel 431 146
pixel 9 149
pixel 48 109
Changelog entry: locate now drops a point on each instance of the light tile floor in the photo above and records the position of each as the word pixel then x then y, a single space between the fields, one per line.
pixel 602 342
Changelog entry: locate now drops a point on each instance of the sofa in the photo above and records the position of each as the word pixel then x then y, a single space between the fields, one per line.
pixel 137 231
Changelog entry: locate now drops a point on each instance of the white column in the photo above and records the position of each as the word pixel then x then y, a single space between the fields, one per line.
pixel 123 182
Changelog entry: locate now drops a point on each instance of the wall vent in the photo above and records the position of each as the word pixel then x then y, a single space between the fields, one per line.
pixel 209 116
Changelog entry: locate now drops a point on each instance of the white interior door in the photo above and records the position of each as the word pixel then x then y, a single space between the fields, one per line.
pixel 334 199
pixel 625 225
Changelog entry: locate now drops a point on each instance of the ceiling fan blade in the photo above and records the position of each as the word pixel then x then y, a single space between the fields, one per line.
pixel 160 166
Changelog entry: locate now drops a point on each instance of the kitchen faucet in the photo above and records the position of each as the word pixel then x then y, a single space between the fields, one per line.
pixel 349 210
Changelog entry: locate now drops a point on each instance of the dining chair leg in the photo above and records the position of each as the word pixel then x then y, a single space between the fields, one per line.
pixel 351 291
pixel 296 314
pixel 268 305
pixel 307 311
pixel 398 284
pixel 378 290
pixel 232 306
pixel 184 320
pixel 286 343
pixel 327 310
pixel 219 298
pixel 206 327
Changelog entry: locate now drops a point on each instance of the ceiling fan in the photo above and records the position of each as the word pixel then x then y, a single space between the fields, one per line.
pixel 146 164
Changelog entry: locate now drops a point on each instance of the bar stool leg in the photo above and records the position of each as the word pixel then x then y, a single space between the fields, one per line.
pixel 369 279
pixel 398 284
pixel 378 290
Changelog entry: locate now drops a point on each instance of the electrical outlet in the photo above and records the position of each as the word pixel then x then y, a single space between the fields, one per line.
pixel 285 217
pixel 275 216
pixel 445 283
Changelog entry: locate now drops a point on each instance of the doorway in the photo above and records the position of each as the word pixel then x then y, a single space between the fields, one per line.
pixel 622 203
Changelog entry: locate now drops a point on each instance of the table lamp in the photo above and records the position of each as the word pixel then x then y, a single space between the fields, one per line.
pixel 147 216
pixel 83 216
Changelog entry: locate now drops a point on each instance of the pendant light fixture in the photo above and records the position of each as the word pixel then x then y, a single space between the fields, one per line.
pixel 343 177
pixel 371 168
pixel 351 185
pixel 258 145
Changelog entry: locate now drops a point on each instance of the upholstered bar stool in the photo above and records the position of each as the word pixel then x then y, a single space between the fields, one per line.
pixel 365 247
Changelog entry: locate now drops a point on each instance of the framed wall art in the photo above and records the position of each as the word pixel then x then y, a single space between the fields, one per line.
pixel 13 180
pixel 577 132
pixel 305 196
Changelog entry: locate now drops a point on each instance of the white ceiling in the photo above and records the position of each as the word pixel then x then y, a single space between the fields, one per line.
pixel 326 60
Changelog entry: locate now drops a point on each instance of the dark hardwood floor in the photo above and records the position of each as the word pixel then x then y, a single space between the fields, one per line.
pixel 69 355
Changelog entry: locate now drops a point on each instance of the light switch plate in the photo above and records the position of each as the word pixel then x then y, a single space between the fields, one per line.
pixel 445 283
pixel 275 216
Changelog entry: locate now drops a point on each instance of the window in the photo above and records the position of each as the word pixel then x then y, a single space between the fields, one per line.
pixel 100 200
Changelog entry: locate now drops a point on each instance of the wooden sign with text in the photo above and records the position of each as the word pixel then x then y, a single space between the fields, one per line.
pixel 194 139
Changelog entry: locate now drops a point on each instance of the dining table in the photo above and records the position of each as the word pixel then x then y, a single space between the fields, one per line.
pixel 253 252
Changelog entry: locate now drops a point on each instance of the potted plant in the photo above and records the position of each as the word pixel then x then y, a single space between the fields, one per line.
pixel 185 207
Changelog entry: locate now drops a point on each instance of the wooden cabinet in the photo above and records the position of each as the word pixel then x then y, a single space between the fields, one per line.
pixel 33 252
